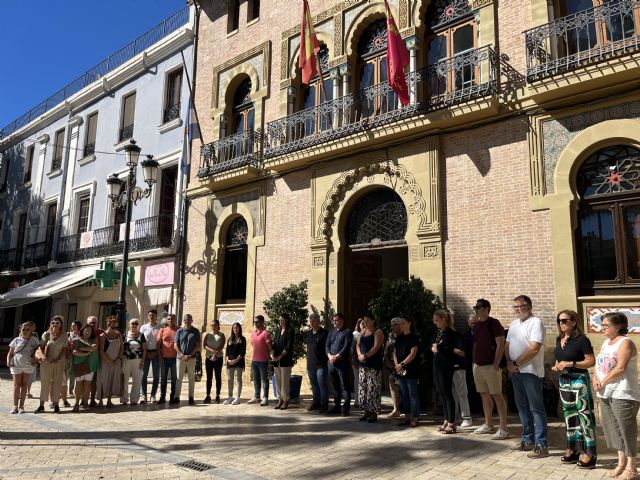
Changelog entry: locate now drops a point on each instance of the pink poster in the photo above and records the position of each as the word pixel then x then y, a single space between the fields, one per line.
pixel 159 274
pixel 86 239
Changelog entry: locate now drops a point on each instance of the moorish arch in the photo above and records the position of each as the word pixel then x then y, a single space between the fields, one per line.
pixel 564 203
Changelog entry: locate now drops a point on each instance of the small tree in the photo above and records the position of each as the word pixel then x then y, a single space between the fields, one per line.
pixel 412 298
pixel 292 300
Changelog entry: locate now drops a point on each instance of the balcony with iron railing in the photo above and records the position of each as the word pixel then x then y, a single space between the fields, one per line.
pixel 242 149
pixel 89 149
pixel 144 41
pixel 56 163
pixel 590 36
pixel 9 260
pixel 146 234
pixel 467 76
pixel 37 254
pixel 126 133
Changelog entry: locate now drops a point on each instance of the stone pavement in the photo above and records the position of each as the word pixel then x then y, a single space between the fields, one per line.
pixel 250 442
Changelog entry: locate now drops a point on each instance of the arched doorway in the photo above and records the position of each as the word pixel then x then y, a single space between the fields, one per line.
pixel 374 235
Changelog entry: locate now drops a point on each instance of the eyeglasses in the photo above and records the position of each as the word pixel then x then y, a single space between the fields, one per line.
pixel 520 307
pixel 605 325
pixel 134 323
pixel 564 320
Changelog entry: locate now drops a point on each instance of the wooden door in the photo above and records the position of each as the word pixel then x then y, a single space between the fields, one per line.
pixel 362 282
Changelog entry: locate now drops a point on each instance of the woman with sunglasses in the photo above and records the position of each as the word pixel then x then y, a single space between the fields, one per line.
pixel 574 355
pixel 444 360
pixel 52 358
pixel 616 384
pixel 135 352
pixel 21 361
pixel 111 350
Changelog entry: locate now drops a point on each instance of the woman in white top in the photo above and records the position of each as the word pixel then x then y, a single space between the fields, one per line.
pixel 21 361
pixel 616 384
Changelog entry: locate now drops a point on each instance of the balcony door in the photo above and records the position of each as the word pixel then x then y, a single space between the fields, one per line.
pixel 167 204
pixel 52 212
pixel 313 95
pixel 242 123
pixel 452 32
pixel 22 230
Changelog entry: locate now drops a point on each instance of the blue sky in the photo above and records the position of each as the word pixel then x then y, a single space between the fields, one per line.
pixel 46 44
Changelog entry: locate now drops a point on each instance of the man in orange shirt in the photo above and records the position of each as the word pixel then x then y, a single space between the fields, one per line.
pixel 166 338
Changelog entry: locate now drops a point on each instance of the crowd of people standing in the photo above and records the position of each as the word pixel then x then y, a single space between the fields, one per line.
pixel 97 365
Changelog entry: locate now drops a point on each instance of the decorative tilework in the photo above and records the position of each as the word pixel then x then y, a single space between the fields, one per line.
pixel 556 134
pixel 250 199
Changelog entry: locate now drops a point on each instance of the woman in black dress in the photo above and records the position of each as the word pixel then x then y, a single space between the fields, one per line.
pixel 444 360
pixel 283 359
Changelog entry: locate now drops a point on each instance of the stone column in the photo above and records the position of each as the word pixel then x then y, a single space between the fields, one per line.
pixel 335 94
pixel 412 45
pixel 345 72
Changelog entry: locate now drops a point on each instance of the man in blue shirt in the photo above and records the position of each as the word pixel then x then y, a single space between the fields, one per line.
pixel 338 350
pixel 187 344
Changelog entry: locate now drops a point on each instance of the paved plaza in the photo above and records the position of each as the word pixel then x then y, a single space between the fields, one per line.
pixel 252 442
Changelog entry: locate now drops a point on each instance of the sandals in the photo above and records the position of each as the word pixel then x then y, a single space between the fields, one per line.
pixel 451 428
pixel 616 471
pixel 628 475
pixel 573 458
pixel 587 465
pixel 442 427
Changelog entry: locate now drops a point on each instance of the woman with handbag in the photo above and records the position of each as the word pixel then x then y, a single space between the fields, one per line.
pixel 111 350
pixel 84 364
pixel 52 354
pixel 21 361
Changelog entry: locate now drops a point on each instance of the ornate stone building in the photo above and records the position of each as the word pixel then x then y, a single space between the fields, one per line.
pixel 513 169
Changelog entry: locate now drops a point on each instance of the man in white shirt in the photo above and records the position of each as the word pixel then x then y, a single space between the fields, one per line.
pixel 150 331
pixel 525 361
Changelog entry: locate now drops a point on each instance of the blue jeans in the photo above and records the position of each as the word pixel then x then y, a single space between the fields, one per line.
pixel 339 375
pixel 319 388
pixel 260 378
pixel 168 364
pixel 155 364
pixel 527 389
pixel 409 395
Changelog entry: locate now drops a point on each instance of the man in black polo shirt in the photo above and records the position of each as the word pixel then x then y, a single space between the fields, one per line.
pixel 316 340
pixel 338 348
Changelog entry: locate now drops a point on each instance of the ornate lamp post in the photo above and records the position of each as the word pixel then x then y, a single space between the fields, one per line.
pixel 131 195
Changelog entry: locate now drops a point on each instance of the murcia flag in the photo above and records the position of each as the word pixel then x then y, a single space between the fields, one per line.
pixel 397 59
pixel 309 46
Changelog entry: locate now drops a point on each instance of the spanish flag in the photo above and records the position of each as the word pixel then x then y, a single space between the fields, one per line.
pixel 309 46
pixel 397 59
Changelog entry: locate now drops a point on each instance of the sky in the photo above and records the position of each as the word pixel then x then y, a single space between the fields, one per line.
pixel 47 44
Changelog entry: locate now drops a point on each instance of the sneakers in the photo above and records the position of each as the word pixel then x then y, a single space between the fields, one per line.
pixel 254 400
pixel 539 451
pixel 522 447
pixel 228 401
pixel 483 429
pixel 153 399
pixel 14 410
pixel 143 399
pixel 500 434
pixel 264 402
pixel 466 424
pixel 236 401
pixel 21 410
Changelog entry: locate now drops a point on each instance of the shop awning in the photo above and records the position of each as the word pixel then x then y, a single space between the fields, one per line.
pixel 46 286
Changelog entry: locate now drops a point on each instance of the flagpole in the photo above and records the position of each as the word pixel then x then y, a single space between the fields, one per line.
pixel 321 75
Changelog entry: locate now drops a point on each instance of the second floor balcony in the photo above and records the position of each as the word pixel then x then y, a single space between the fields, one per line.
pixel 242 149
pixel 9 260
pixel 583 38
pixel 146 234
pixel 467 76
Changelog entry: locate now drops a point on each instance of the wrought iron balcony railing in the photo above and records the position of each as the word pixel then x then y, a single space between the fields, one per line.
pixel 171 113
pixel 37 254
pixel 89 149
pixel 466 76
pixel 586 37
pixel 56 164
pixel 9 260
pixel 146 234
pixel 238 150
pixel 126 133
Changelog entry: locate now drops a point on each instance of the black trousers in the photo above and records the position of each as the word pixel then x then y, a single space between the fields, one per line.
pixel 443 381
pixel 212 366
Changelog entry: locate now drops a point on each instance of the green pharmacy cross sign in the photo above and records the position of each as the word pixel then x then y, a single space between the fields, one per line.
pixel 107 274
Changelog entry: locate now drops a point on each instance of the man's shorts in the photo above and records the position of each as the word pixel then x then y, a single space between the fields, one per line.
pixel 487 379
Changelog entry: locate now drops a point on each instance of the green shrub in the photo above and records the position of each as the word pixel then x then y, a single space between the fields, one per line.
pixel 292 300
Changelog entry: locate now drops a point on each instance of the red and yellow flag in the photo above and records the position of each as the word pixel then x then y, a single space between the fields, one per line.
pixel 309 46
pixel 397 59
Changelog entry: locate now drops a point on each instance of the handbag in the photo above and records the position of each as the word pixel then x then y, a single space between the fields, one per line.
pixel 80 369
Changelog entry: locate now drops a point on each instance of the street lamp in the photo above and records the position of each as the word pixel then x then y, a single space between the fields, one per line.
pixel 131 195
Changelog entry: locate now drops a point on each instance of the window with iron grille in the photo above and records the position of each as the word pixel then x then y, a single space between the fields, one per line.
pixel 28 164
pixel 128 115
pixel 172 97
pixel 608 233
pixel 58 150
pixel 90 140
pixel 380 216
